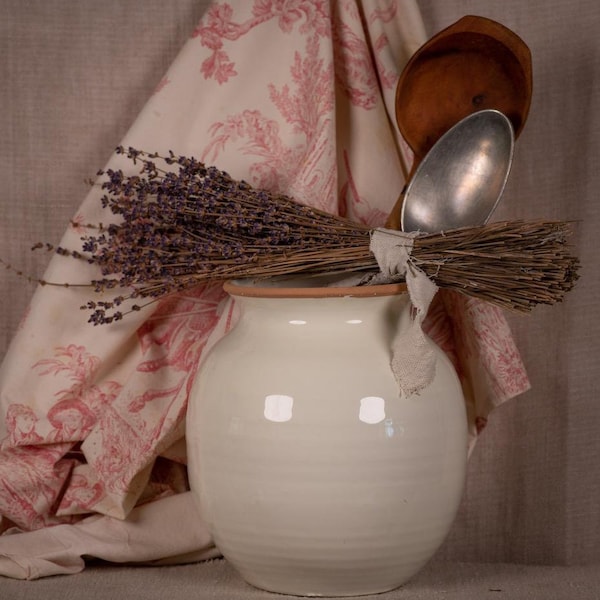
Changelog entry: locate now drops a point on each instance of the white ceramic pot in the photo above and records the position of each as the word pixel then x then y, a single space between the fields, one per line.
pixel 315 475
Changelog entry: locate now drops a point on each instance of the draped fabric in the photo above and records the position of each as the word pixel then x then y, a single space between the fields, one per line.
pixel 294 97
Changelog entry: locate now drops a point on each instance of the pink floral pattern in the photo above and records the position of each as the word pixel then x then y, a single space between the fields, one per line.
pixel 219 27
pixel 137 427
pixel 82 494
pixel 31 482
pixel 356 206
pixel 355 72
pixel 488 361
pixel 306 108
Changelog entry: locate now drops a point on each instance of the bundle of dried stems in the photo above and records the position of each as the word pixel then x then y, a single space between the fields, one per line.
pixel 182 223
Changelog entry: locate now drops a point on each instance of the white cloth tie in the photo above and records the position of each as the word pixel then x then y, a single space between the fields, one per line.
pixel 413 356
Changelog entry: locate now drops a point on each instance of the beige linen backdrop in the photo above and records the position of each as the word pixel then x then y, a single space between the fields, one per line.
pixel 74 77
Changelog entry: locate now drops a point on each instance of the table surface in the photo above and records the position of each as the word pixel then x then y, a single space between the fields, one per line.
pixel 216 579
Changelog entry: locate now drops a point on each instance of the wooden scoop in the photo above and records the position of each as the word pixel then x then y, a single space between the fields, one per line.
pixel 474 64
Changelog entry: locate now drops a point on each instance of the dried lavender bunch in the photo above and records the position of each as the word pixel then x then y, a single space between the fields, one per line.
pixel 515 264
pixel 183 223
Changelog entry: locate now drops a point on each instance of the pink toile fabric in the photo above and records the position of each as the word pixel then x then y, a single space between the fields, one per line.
pixel 291 96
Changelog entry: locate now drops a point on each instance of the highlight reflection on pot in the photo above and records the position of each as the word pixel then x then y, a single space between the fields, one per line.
pixel 278 408
pixel 372 410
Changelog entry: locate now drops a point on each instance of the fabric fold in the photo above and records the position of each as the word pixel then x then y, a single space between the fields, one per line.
pixel 152 533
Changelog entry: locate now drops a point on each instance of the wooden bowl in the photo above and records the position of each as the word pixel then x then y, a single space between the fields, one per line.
pixel 474 64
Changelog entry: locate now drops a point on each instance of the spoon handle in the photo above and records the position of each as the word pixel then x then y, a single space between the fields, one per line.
pixel 394 219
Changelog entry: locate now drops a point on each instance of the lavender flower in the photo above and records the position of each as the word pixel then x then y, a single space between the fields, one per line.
pixel 182 223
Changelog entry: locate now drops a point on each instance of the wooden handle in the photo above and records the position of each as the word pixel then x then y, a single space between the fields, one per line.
pixel 394 220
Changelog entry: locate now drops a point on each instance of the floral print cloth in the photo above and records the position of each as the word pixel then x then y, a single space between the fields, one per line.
pixel 296 97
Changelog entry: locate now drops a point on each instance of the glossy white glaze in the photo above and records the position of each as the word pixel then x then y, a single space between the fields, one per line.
pixel 315 476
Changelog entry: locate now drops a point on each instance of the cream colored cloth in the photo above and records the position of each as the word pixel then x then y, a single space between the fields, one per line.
pixel 413 359
pixel 146 535
pixel 295 98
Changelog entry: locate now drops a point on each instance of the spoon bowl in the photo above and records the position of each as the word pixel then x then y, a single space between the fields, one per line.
pixel 462 177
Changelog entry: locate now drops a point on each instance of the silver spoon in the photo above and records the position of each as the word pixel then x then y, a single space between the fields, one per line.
pixel 462 177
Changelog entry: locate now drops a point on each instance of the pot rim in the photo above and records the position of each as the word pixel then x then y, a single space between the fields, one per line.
pixel 265 289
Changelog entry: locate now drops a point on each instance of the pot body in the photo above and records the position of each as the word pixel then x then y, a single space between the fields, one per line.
pixel 315 475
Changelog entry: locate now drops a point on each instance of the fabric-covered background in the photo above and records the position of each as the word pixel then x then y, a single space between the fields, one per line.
pixel 75 75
